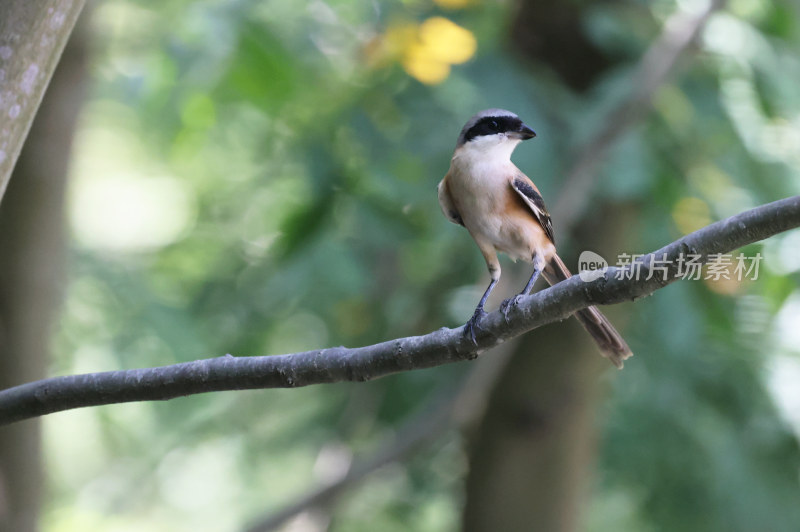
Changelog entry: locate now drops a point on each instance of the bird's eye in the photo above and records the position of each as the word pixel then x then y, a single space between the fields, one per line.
pixel 494 125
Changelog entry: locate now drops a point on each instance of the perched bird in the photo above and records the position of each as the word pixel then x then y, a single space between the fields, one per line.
pixel 504 212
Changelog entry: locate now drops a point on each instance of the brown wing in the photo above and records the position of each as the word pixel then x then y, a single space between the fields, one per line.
pixel 527 191
pixel 446 203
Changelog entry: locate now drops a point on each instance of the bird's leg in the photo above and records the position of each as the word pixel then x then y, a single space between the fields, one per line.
pixel 538 266
pixel 474 322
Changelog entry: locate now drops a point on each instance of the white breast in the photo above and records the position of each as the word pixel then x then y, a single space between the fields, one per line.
pixel 479 181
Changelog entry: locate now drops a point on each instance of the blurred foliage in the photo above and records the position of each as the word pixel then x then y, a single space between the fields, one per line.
pixel 258 178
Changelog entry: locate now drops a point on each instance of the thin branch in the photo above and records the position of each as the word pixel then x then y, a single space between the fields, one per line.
pixel 653 70
pixel 440 347
pixel 412 436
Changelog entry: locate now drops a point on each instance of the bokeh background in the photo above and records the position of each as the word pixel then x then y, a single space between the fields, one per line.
pixel 259 178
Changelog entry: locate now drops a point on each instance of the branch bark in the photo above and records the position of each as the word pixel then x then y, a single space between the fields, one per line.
pixel 440 347
pixel 32 36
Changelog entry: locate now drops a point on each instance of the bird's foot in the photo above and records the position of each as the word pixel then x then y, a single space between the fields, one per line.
pixel 506 305
pixel 473 324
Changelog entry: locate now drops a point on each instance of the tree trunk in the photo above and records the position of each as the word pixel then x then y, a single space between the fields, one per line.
pixel 31 274
pixel 553 33
pixel 531 459
pixel 32 36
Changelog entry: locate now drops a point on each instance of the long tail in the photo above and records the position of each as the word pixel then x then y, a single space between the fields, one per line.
pixel 611 344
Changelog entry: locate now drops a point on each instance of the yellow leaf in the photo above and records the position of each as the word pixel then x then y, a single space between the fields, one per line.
pixel 446 41
pixel 420 64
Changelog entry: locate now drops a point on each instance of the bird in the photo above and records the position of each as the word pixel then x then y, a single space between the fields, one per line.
pixel 503 211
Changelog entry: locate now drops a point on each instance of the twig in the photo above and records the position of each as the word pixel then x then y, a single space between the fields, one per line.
pixel 416 433
pixel 440 347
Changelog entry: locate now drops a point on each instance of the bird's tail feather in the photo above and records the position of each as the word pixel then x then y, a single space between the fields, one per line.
pixel 611 344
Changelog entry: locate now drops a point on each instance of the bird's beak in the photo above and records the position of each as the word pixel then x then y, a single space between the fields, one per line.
pixel 525 133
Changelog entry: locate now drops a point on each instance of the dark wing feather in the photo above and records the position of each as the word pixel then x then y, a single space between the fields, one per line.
pixel 534 200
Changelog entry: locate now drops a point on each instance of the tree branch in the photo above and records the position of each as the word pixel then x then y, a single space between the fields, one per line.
pixel 440 347
pixel 32 36
pixel 652 71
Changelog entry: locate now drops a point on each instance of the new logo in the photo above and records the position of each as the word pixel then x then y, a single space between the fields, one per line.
pixel 591 266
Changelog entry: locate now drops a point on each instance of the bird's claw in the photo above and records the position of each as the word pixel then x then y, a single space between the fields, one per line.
pixel 474 324
pixel 506 305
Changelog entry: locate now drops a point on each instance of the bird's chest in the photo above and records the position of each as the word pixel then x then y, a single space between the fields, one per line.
pixel 492 211
pixel 481 189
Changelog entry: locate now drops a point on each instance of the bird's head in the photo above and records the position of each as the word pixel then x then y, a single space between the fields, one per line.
pixel 494 130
